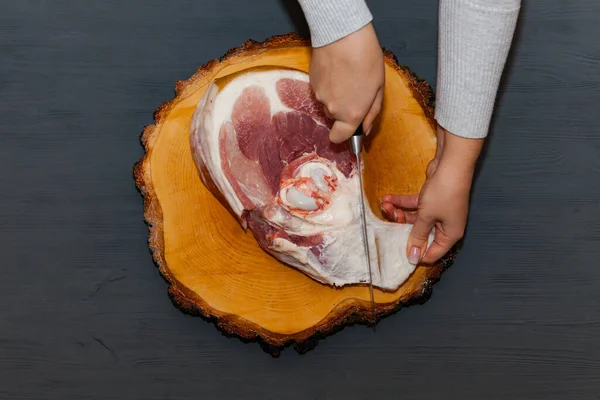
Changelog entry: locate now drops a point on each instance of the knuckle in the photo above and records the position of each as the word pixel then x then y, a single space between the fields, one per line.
pixel 419 235
pixel 332 109
pixel 319 93
pixel 426 216
pixel 327 104
pixel 355 115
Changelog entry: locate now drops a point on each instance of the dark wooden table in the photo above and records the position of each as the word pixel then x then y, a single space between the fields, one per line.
pixel 85 315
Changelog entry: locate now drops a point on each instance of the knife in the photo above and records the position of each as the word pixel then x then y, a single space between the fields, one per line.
pixel 356 145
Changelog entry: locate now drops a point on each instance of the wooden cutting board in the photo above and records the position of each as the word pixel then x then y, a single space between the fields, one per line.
pixel 217 270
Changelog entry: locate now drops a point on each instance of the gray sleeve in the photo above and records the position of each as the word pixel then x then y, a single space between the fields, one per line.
pixel 330 20
pixel 474 40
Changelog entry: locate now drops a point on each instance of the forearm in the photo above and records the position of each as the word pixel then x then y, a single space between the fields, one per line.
pixel 331 20
pixel 474 40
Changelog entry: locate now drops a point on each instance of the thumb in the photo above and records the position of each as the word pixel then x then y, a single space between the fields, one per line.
pixel 342 131
pixel 418 238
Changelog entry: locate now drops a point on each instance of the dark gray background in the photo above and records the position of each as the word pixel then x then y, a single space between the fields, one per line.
pixel 85 314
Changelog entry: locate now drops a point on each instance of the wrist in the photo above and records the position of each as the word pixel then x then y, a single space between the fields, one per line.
pixel 332 20
pixel 458 155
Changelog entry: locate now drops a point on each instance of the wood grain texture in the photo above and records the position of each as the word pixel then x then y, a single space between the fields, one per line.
pixel 244 290
pixel 516 317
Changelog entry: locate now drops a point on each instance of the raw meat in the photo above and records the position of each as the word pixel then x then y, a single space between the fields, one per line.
pixel 260 141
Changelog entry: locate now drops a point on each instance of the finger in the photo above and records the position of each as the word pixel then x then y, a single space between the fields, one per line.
pixel 373 112
pixel 441 245
pixel 443 240
pixel 404 201
pixel 387 210
pixel 393 214
pixel 418 238
pixel 410 217
pixel 342 131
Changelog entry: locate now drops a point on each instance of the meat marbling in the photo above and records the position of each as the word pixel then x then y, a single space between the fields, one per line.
pixel 260 142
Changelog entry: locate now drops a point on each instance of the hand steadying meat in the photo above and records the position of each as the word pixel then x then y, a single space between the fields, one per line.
pixel 474 39
pixel 348 77
pixel 443 202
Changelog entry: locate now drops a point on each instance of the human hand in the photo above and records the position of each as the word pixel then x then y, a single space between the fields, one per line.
pixel 348 77
pixel 443 201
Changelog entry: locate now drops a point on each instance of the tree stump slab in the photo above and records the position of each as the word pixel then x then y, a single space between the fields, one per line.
pixel 217 270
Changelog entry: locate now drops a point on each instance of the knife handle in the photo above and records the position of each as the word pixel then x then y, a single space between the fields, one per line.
pixel 356 141
pixel 359 130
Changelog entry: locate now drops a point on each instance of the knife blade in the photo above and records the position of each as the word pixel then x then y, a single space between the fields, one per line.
pixel 356 145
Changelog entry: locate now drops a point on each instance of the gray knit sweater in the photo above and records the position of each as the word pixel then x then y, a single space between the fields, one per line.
pixel 474 40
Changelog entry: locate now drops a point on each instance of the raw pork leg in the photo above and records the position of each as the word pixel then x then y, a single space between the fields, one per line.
pixel 261 144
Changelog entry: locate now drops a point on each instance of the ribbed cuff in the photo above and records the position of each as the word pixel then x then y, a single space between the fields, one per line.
pixel 473 44
pixel 331 20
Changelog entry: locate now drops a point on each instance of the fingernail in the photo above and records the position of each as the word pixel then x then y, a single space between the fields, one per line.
pixel 368 130
pixel 396 218
pixel 414 255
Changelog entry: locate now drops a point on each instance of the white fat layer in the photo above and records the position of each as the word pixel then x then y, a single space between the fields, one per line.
pixel 203 138
pixel 343 259
pixel 300 254
pixel 346 260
